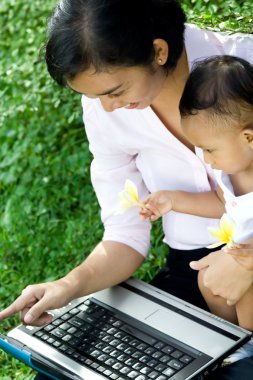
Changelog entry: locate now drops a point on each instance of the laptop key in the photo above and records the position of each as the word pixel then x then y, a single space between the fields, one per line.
pixel 107 372
pixel 58 333
pixel 165 359
pixel 156 354
pixel 82 307
pixel 153 375
pixel 138 366
pixel 146 370
pixel 176 364
pixel 176 354
pixel 142 346
pixel 117 366
pixel 110 362
pixel 124 358
pixel 141 377
pixel 167 349
pixel 57 322
pixel 169 372
pixel 76 322
pixel 125 370
pixel 114 376
pixel 45 337
pixel 74 311
pixel 152 363
pixel 149 350
pixel 103 357
pixel 65 326
pixel 132 374
pixel 186 359
pixel 159 345
pixel 94 365
pixel 101 369
pixel 160 367
pixel 49 327
pixel 65 317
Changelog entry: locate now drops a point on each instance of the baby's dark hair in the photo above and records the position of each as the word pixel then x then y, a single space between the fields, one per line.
pixel 107 33
pixel 222 85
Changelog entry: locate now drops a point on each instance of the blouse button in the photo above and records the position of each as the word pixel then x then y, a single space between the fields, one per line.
pixel 233 204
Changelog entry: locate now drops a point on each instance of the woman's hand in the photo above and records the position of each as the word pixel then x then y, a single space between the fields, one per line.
pixel 35 300
pixel 156 205
pixel 102 269
pixel 243 254
pixel 224 276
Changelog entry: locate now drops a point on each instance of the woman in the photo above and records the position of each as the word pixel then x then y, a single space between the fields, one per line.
pixel 131 60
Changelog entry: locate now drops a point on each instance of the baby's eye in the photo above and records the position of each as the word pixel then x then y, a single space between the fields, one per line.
pixel 208 150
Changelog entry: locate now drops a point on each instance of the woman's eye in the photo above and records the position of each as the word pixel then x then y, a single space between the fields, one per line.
pixel 115 95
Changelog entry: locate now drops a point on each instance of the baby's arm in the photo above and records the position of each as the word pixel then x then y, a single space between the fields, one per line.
pixel 207 204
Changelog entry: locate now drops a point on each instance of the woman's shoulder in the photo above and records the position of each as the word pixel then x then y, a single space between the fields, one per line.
pixel 195 31
pixel 202 43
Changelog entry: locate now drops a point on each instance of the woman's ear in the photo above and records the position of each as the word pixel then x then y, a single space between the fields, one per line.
pixel 248 136
pixel 161 51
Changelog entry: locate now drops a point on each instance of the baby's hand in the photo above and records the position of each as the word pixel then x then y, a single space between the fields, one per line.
pixel 156 205
pixel 243 254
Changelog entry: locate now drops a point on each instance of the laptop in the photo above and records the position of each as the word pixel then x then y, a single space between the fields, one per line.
pixel 130 331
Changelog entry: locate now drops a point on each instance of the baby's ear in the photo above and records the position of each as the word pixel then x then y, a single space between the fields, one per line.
pixel 248 136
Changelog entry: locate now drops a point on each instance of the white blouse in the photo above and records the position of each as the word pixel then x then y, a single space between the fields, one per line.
pixel 238 208
pixel 134 144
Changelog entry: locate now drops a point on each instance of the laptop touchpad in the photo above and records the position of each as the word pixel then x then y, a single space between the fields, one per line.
pixel 188 331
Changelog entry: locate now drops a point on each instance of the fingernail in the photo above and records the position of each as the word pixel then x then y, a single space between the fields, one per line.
pixel 192 264
pixel 49 319
pixel 28 318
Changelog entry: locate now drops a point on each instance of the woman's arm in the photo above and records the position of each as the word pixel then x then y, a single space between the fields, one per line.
pixel 110 263
pixel 224 276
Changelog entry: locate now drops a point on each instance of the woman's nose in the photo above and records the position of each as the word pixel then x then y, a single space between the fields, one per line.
pixel 110 105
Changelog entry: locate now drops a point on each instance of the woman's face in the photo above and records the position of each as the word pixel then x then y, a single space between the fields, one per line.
pixel 131 87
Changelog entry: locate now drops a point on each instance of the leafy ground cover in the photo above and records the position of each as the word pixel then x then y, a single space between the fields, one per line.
pixel 49 217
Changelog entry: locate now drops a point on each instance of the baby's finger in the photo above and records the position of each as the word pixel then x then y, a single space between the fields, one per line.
pixel 153 210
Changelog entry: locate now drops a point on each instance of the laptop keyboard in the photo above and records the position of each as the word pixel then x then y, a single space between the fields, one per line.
pixel 99 339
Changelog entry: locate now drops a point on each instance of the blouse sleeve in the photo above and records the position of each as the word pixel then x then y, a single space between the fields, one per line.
pixel 110 167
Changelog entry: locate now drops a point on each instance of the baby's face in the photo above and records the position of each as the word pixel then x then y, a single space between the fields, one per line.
pixel 222 142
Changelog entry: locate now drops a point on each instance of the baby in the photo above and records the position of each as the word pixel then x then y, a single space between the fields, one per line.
pixel 217 116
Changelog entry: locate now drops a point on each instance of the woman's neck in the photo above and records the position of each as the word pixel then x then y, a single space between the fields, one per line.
pixel 166 104
pixel 174 82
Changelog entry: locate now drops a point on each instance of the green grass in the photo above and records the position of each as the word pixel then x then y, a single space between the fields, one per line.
pixel 49 217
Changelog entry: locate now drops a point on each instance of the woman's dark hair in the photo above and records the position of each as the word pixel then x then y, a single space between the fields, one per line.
pixel 107 33
pixel 219 84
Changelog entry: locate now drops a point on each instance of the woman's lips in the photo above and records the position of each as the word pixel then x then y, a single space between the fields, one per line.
pixel 131 106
